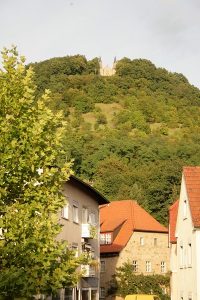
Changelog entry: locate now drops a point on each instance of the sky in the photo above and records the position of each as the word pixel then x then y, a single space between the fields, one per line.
pixel 167 32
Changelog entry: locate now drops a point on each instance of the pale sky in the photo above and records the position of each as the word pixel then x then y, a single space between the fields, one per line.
pixel 167 32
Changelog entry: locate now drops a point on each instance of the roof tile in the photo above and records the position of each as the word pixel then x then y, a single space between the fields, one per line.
pixel 130 216
pixel 173 211
pixel 192 181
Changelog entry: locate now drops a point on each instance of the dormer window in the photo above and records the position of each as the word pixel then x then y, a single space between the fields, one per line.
pixel 105 238
pixel 185 209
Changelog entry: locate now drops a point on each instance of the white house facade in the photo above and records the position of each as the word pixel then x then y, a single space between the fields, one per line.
pixel 185 252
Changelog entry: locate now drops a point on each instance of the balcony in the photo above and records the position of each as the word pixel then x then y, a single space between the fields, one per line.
pixel 88 231
pixel 88 271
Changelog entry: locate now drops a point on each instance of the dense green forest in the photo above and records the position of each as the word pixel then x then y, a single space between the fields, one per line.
pixel 129 134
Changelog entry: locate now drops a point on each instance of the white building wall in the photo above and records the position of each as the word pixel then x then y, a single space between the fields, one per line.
pixel 197 263
pixel 186 271
pixel 173 268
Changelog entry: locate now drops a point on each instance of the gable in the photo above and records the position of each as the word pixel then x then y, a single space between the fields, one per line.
pixel 184 218
pixel 191 179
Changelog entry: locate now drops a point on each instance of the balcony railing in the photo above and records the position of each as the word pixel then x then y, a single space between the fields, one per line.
pixel 88 231
pixel 88 271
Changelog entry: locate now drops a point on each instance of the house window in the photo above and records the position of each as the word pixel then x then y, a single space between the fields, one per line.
pixel 135 266
pixel 102 292
pixel 163 267
pixel 148 266
pixel 75 249
pixel 108 238
pixel 92 254
pixel 65 212
pixel 75 213
pixel 84 215
pixel 185 209
pixel 103 266
pixel 92 218
pixel 181 257
pixel 142 241
pixel 155 241
pixel 105 238
pixel 189 255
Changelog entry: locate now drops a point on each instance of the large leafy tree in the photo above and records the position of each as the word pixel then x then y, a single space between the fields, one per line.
pixel 32 261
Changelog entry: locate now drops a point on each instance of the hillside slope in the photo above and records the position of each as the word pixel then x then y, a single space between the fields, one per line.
pixel 129 134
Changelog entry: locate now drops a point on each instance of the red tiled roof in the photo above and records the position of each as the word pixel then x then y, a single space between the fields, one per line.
pixel 111 248
pixel 192 181
pixel 111 225
pixel 130 216
pixel 173 211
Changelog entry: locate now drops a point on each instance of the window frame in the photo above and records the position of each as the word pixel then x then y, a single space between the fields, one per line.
pixel 102 292
pixel 84 215
pixel 65 212
pixel 148 266
pixel 135 266
pixel 163 266
pixel 181 256
pixel 141 241
pixel 75 213
pixel 75 249
pixel 92 218
pixel 105 238
pixel 189 256
pixel 185 209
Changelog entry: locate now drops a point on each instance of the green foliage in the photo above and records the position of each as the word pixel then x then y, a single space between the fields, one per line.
pixel 137 68
pixel 140 152
pixel 31 176
pixel 83 103
pixel 125 282
pixel 101 118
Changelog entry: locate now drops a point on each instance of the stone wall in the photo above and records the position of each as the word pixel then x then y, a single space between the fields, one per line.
pixel 142 247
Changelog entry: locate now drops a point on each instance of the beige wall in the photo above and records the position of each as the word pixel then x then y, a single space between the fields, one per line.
pixel 110 266
pixel 72 231
pixel 147 252
pixel 142 253
pixel 107 71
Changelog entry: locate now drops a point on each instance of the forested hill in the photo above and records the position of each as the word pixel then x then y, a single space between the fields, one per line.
pixel 129 134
